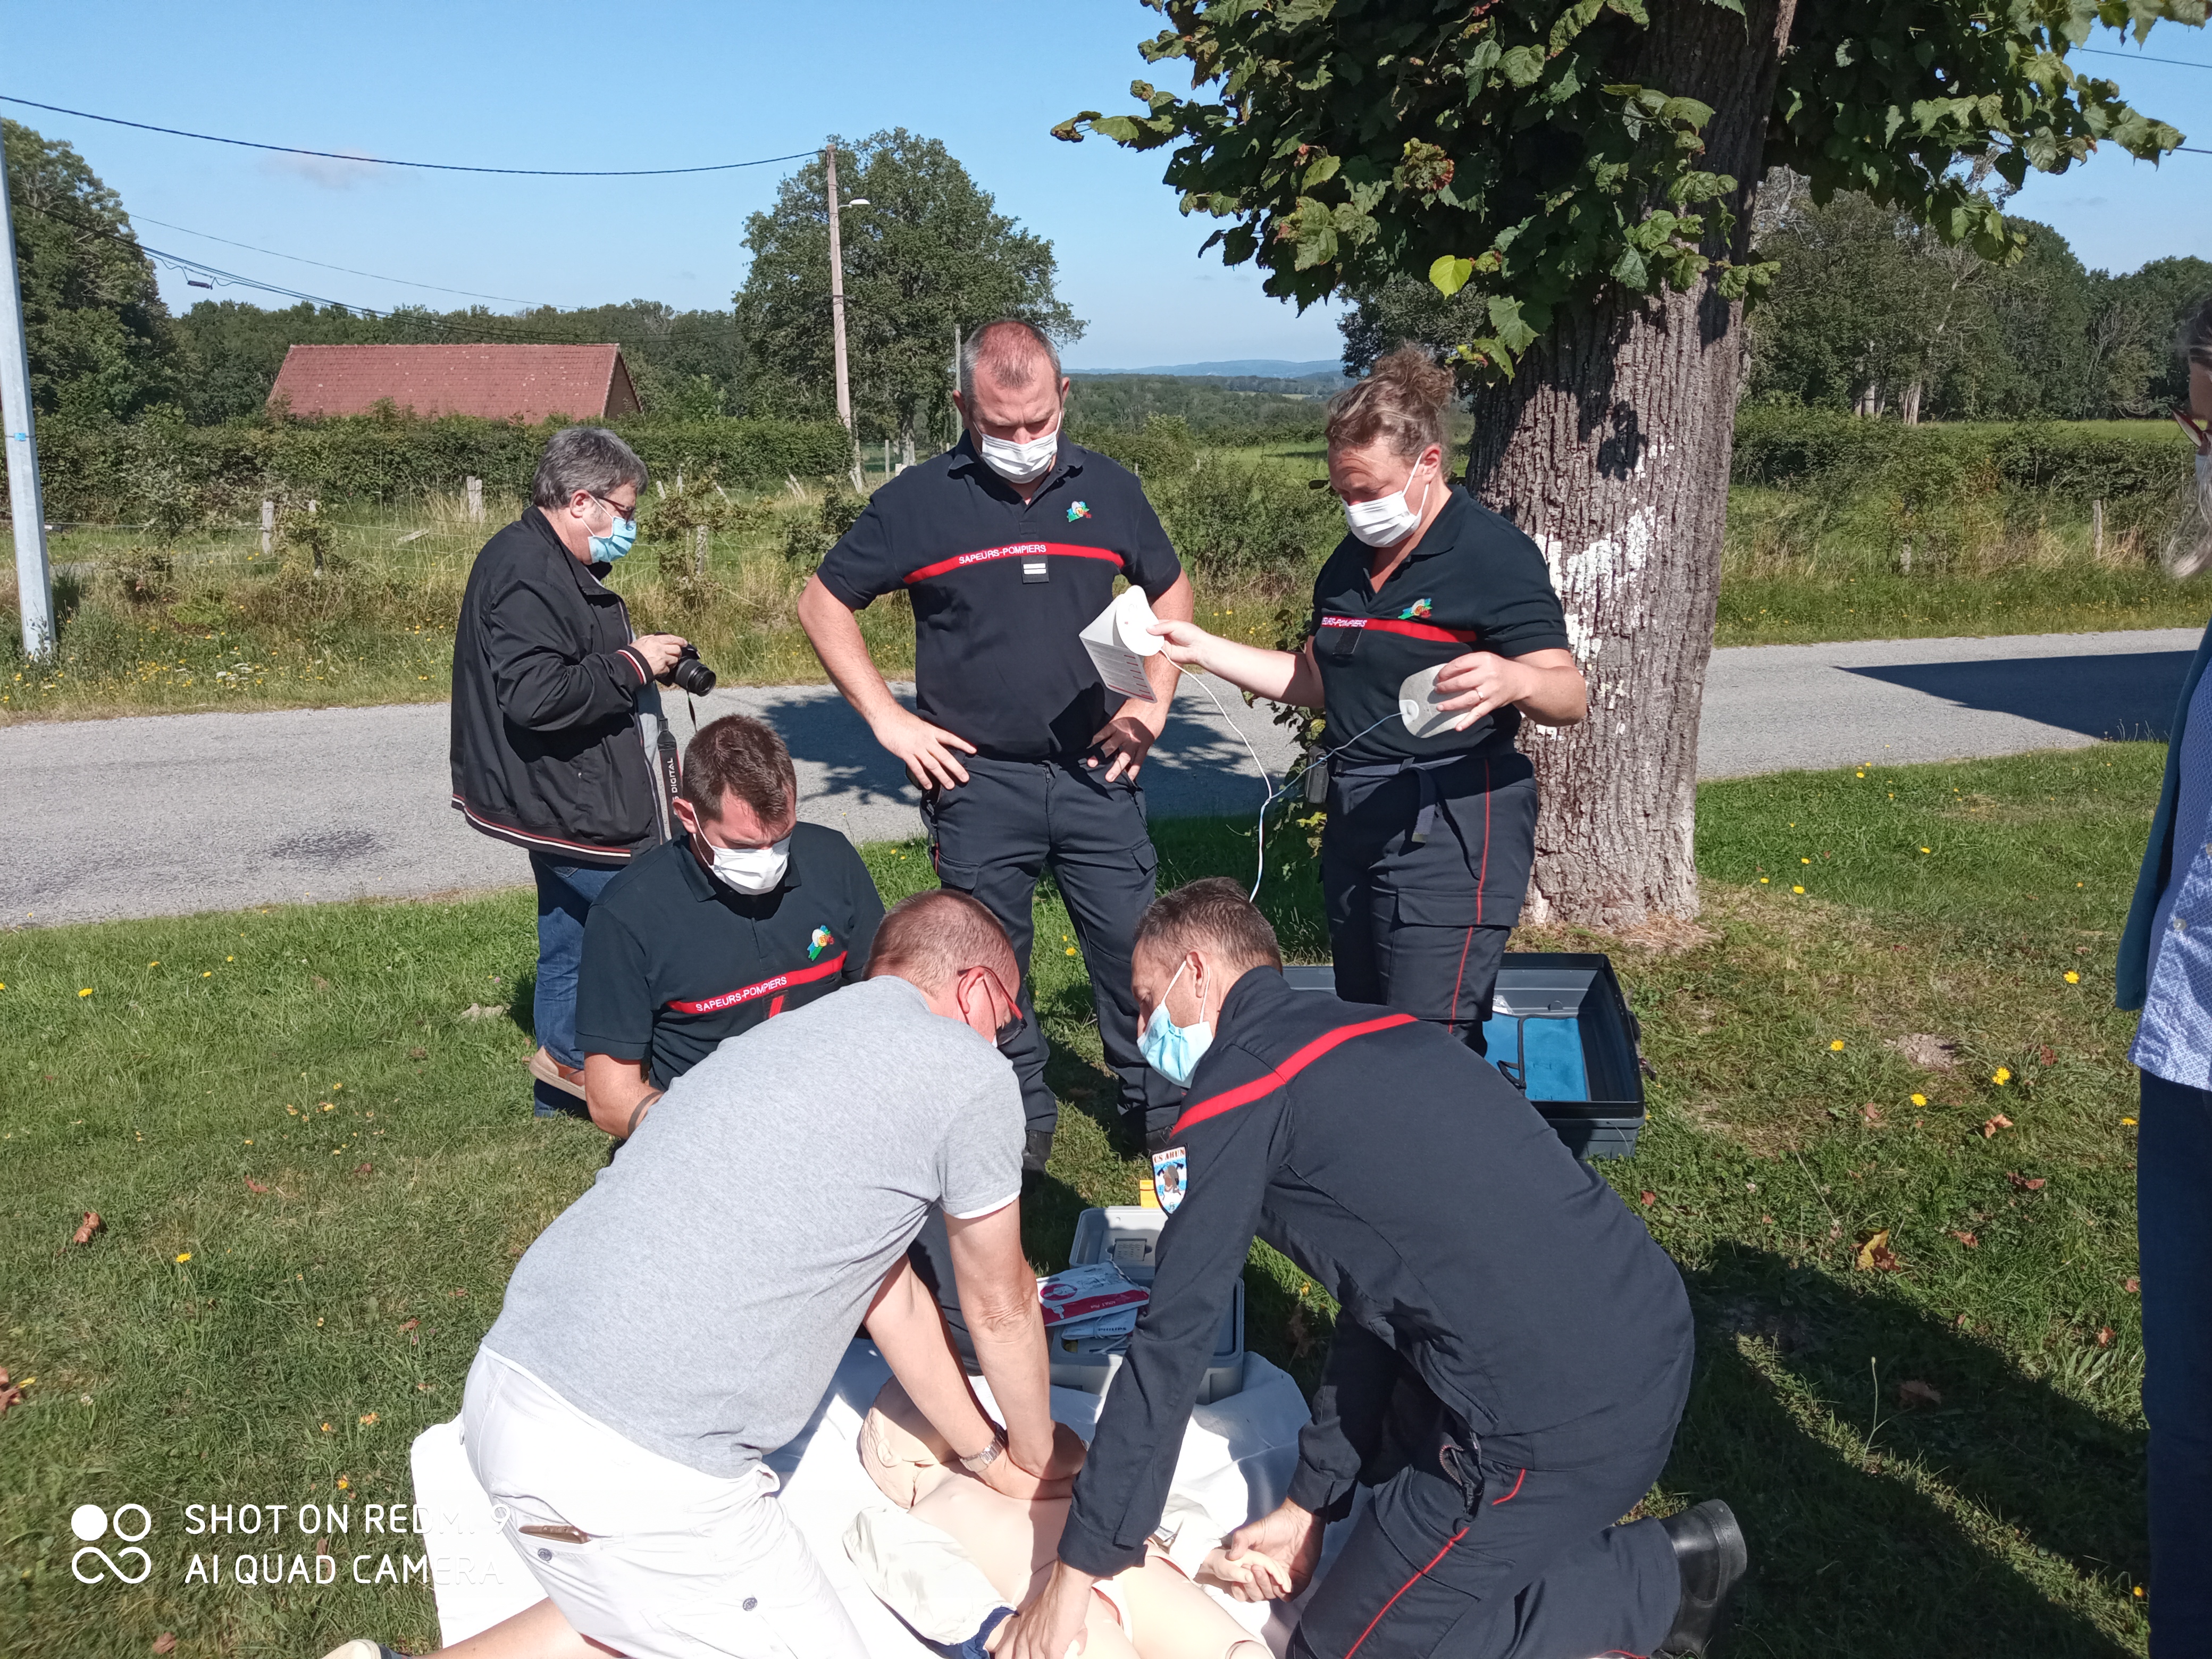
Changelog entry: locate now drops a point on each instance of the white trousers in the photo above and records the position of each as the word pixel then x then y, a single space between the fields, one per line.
pixel 673 1563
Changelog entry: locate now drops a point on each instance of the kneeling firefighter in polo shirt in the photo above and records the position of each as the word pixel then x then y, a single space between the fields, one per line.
pixel 749 915
pixel 1008 546
pixel 1431 824
pixel 1511 1359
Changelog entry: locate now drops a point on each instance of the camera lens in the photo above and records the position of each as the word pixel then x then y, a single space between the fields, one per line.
pixel 692 675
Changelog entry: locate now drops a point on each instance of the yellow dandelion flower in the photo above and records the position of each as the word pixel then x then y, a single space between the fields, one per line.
pixel 368 1419
pixel 1804 860
pixel 1797 889
pixel 183 1255
pixel 2073 978
pixel 1762 881
pixel 2002 1076
pixel 2127 1123
pixel 343 1483
pixel 1836 1045
pixel 1919 1100
pixel 1925 849
pixel 86 991
pixel 328 1429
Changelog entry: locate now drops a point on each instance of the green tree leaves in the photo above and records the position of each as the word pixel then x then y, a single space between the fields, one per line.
pixel 1497 145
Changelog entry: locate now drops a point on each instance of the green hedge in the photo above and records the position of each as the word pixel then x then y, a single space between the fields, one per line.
pixel 177 476
pixel 2087 462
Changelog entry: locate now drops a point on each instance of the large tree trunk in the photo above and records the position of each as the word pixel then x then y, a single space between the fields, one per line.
pixel 1610 447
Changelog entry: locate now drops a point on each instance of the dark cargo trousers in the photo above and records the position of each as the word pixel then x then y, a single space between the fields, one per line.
pixel 991 837
pixel 1422 879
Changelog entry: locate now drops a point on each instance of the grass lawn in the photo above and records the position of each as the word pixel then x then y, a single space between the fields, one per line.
pixel 303 1132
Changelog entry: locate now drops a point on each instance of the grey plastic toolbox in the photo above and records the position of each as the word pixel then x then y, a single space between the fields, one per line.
pixel 1129 1237
pixel 1561 1032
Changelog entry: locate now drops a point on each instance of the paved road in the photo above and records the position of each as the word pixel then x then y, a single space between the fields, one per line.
pixel 167 814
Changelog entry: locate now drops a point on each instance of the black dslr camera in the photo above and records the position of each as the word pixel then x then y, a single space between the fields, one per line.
pixel 688 673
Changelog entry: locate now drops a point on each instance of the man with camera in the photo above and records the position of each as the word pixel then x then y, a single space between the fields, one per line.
pixel 746 914
pixel 558 744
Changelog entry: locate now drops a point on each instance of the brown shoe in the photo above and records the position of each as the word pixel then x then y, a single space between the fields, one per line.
pixel 546 1069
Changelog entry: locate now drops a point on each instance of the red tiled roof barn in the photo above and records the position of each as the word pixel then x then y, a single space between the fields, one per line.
pixel 498 382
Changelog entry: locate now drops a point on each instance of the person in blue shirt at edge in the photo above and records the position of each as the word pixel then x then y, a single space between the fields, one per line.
pixel 1512 1357
pixel 1426 853
pixel 2165 969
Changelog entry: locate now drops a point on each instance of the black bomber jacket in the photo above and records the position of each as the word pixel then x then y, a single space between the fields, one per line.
pixel 547 748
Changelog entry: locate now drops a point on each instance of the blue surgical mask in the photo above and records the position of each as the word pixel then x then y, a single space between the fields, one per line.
pixel 606 548
pixel 1174 1050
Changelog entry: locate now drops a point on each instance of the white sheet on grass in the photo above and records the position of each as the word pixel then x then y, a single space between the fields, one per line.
pixel 1237 1457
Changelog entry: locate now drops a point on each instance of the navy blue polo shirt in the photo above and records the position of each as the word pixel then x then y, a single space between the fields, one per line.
pixel 1474 583
pixel 1001 587
pixel 676 961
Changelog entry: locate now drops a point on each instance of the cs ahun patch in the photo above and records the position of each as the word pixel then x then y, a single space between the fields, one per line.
pixel 1079 510
pixel 1170 1177
pixel 1415 612
pixel 822 939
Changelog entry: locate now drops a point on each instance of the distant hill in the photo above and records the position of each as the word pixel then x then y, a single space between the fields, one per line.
pixel 1270 369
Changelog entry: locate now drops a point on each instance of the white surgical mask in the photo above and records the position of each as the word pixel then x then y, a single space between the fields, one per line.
pixel 751 869
pixel 1174 1050
pixel 1019 463
pixel 1387 519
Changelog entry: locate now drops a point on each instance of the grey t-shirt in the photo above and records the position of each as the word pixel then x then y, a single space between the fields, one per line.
pixel 697 1298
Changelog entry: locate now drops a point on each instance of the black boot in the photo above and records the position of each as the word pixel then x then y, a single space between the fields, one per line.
pixel 1709 1553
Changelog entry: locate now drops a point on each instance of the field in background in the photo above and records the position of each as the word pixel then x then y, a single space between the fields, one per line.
pixel 1891 1145
pixel 1899 537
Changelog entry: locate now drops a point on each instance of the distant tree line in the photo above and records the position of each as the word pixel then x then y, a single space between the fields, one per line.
pixel 1873 315
pixel 929 254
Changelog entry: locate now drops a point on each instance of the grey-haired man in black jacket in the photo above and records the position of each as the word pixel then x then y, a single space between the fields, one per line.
pixel 557 715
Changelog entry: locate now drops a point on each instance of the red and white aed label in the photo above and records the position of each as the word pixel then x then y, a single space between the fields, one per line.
pixel 715 1004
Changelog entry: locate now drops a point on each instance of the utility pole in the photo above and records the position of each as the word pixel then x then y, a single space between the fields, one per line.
pixel 837 314
pixel 33 578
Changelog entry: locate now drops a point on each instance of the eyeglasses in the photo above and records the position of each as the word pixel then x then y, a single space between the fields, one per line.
pixel 614 507
pixel 1005 1034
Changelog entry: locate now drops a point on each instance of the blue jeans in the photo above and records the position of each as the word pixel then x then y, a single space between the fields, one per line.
pixel 566 893
pixel 2173 1230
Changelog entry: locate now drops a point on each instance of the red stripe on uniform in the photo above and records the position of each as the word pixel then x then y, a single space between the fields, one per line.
pixel 1403 1588
pixel 747 993
pixel 1017 550
pixel 1276 1077
pixel 1412 630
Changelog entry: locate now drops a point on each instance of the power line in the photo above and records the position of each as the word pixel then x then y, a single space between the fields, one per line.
pixel 300 258
pixel 432 166
pixel 2141 58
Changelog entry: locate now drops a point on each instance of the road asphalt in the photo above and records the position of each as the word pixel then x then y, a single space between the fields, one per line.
pixel 163 815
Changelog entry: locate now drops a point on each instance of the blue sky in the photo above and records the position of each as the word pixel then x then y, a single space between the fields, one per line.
pixel 558 84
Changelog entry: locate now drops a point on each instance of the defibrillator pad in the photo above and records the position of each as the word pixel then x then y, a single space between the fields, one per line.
pixel 1119 639
pixel 1417 701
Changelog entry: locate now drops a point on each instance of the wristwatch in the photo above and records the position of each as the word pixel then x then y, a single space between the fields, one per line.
pixel 976 1462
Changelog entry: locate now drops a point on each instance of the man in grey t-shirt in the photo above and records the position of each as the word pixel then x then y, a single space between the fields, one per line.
pixel 684 1317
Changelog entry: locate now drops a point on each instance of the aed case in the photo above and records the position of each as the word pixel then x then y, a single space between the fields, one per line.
pixel 1129 1236
pixel 1560 1032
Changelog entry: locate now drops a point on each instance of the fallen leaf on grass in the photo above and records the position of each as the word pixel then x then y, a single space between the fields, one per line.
pixel 365 1169
pixel 477 1011
pixel 1914 1392
pixel 1990 1128
pixel 321 984
pixel 2105 1337
pixel 410 1325
pixel 253 1186
pixel 9 1393
pixel 166 1642
pixel 418 1054
pixel 2132 1286
pixel 2024 1183
pixel 323 1545
pixel 1875 1256
pixel 1871 1112
pixel 1649 1198
pixel 85 1229
pixel 2047 1055
pixel 1967 1239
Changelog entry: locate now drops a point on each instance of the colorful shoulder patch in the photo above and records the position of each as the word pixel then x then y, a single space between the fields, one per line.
pixel 1170 1177
pixel 1414 612
pixel 1079 510
pixel 822 939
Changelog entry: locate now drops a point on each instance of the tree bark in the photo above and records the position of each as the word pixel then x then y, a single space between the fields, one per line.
pixel 1610 447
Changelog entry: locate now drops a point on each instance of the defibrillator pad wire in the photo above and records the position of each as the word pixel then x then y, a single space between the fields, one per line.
pixel 1267 778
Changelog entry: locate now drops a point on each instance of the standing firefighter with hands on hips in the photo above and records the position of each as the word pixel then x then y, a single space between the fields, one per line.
pixel 1436 631
pixel 1509 1364
pixel 1008 546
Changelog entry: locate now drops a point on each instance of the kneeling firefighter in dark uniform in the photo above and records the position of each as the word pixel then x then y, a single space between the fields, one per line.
pixel 1432 818
pixel 1510 1365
